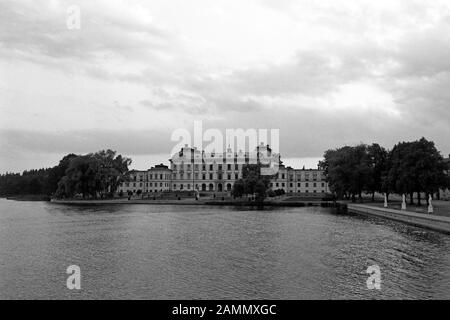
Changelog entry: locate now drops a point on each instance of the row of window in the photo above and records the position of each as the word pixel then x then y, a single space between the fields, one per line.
pixel 205 176
pixel 151 176
pixel 273 184
pixel 299 185
pixel 135 191
pixel 204 166
pixel 306 176
pixel 147 184
pixel 209 187
pixel 204 187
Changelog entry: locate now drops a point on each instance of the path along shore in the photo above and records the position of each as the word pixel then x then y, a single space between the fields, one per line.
pixel 429 221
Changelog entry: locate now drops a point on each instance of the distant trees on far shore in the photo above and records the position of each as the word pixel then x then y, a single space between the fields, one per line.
pixel 91 175
pixel 409 168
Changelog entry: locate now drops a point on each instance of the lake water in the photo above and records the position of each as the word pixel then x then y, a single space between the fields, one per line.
pixel 194 252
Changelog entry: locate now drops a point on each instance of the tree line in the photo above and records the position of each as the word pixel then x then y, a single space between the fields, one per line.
pixel 410 168
pixel 91 176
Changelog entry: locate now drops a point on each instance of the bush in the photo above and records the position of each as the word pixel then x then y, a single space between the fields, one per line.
pixel 271 193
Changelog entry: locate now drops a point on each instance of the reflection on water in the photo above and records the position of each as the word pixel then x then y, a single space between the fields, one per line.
pixel 189 252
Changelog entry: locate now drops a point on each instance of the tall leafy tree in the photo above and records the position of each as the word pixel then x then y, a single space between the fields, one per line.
pixel 416 167
pixel 377 157
pixel 348 170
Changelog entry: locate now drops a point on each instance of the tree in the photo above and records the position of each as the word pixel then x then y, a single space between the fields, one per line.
pixel 252 182
pixel 238 188
pixel 416 167
pixel 377 157
pixel 348 170
pixel 93 175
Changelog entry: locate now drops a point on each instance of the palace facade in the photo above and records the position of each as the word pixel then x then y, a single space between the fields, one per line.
pixel 192 169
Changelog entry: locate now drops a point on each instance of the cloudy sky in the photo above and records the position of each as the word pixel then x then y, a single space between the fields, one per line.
pixel 326 73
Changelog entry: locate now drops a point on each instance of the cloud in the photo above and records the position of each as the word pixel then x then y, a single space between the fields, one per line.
pixel 325 73
pixel 137 142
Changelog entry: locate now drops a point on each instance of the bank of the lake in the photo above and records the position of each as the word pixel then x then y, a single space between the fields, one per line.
pixel 430 221
pixel 190 201
pixel 30 197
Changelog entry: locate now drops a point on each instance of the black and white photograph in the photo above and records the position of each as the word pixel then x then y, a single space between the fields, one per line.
pixel 248 152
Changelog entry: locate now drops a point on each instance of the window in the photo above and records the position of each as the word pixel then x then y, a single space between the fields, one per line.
pixel 220 167
pixel 236 167
pixel 203 167
pixel 203 176
pixel 229 167
pixel 211 167
pixel 236 176
pixel 307 184
pixel 282 176
pixel 210 176
pixel 229 176
pixel 299 184
pixel 282 184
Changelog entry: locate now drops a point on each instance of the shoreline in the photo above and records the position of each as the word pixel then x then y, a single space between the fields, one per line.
pixel 192 202
pixel 431 222
pixel 428 221
pixel 29 198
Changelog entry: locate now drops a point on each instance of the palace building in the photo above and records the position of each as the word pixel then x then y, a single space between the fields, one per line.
pixel 192 169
